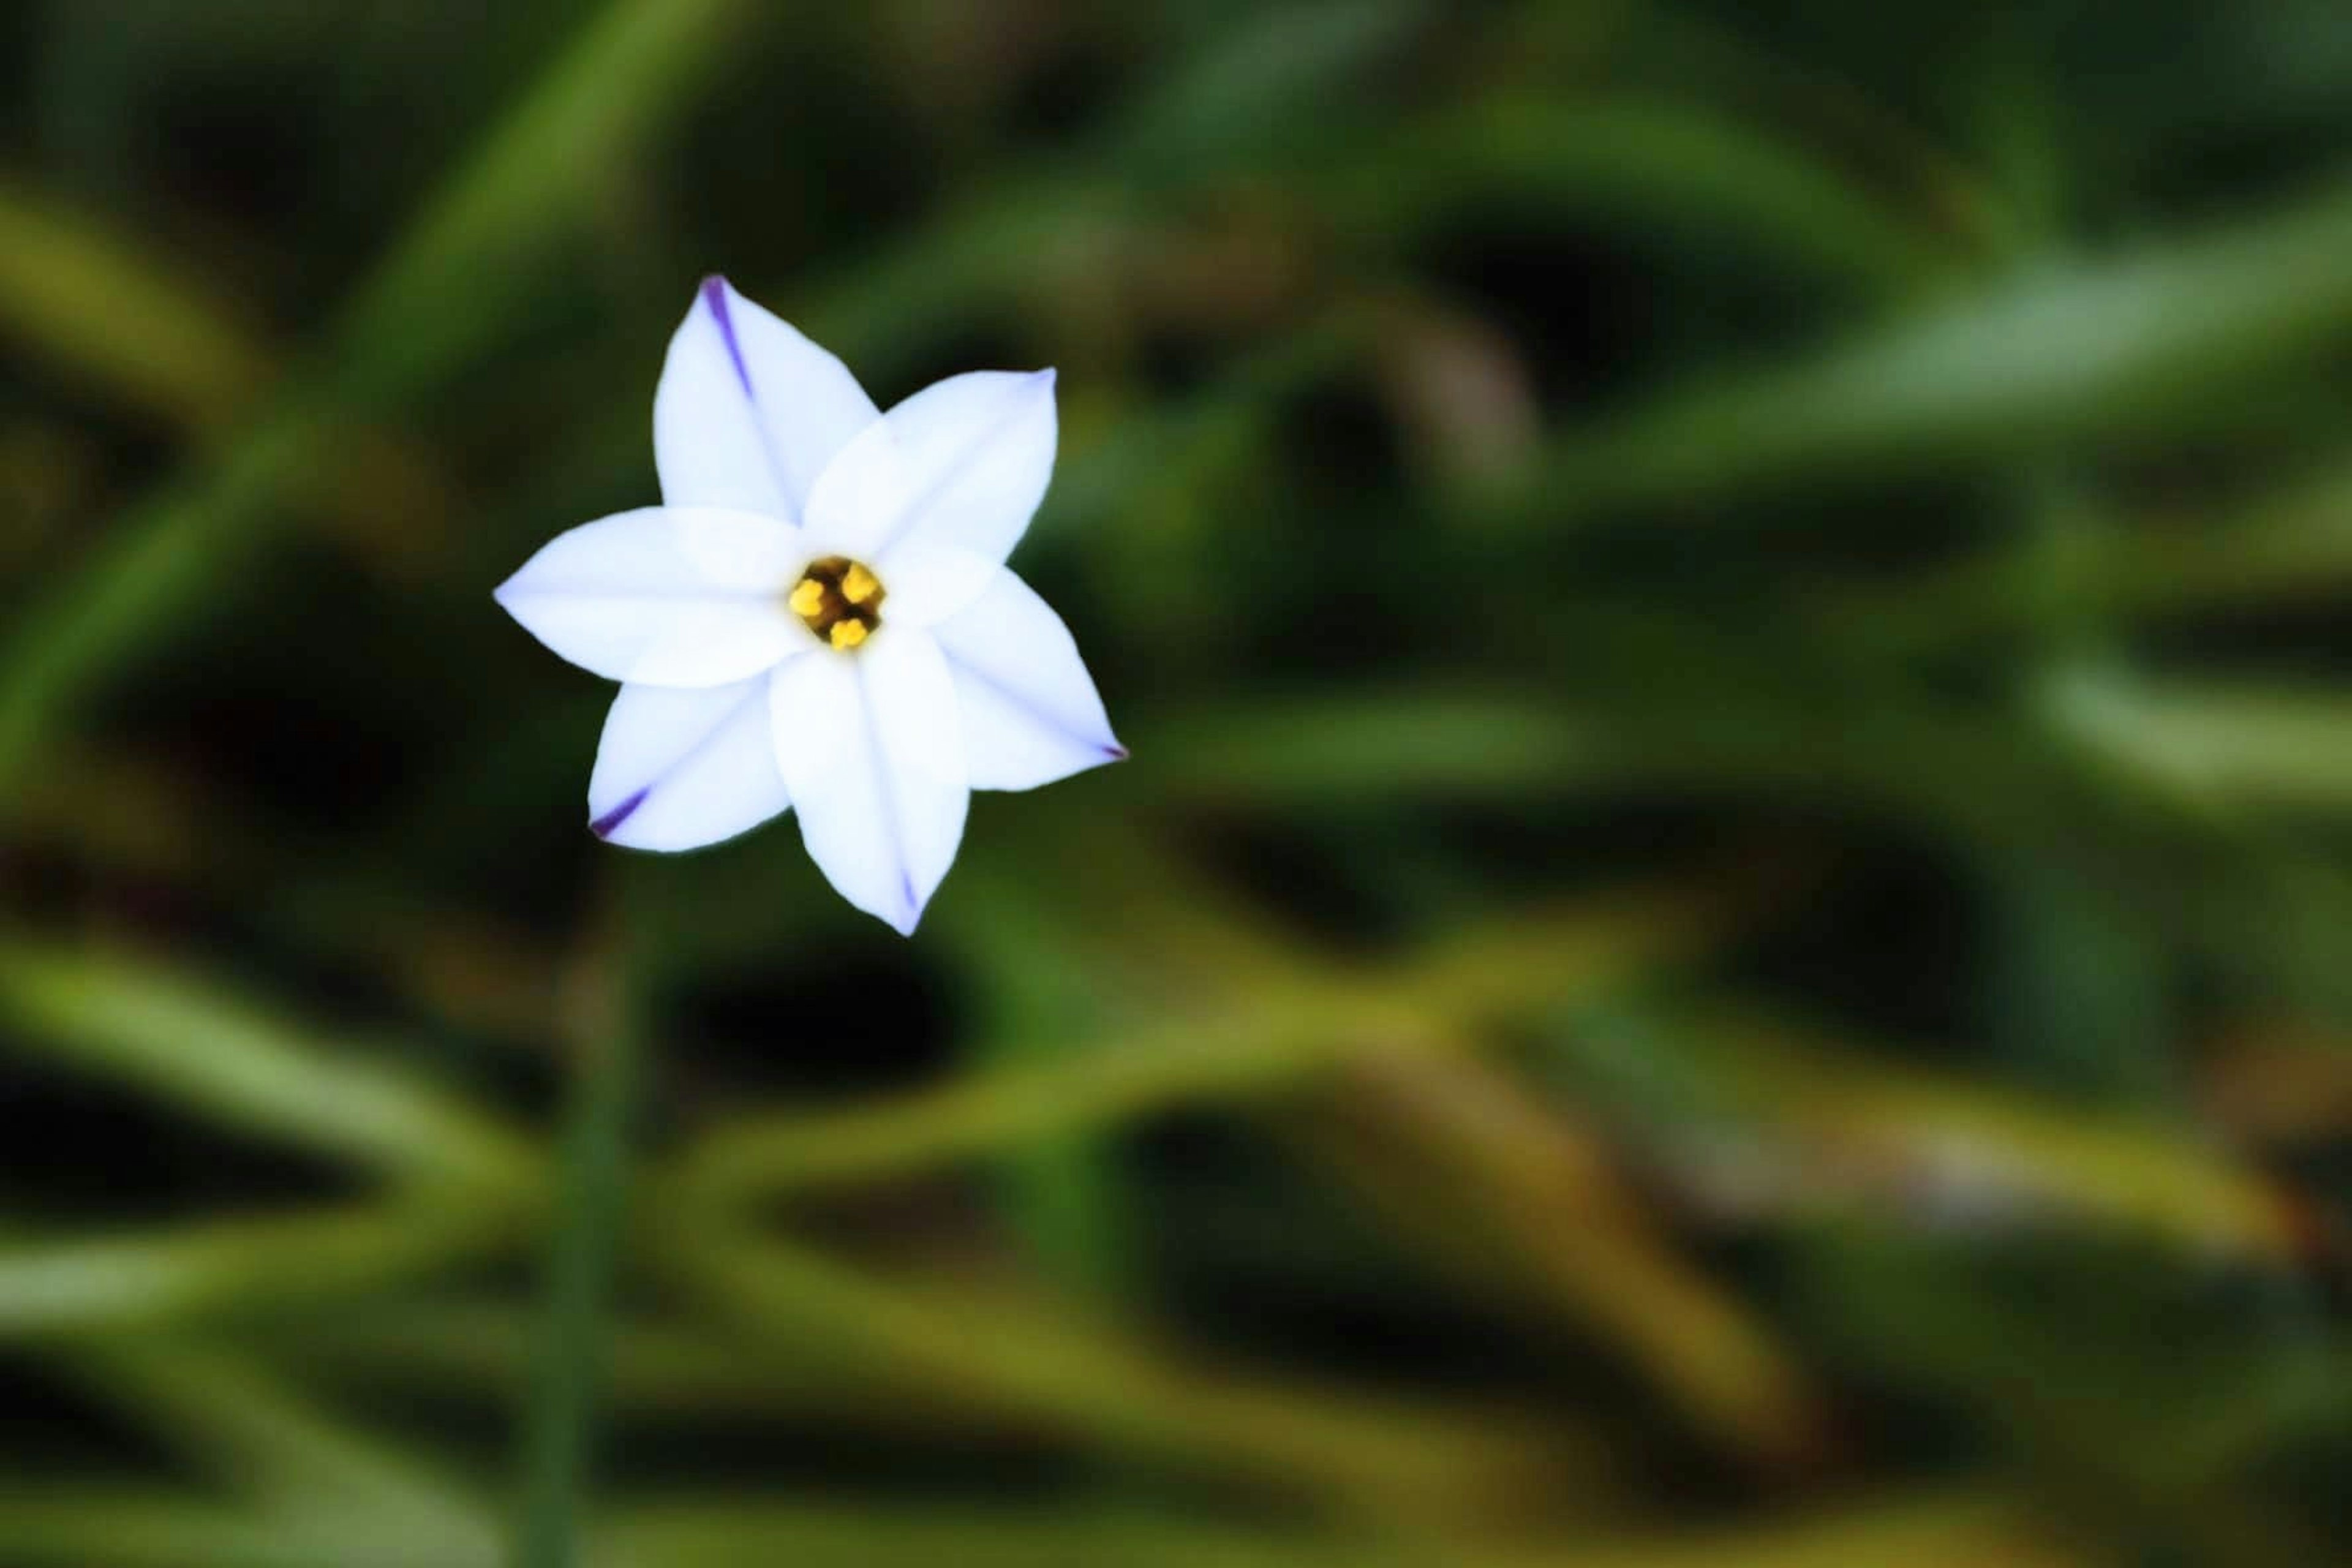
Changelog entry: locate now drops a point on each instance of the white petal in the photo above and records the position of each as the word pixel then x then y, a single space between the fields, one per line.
pixel 961 463
pixel 668 596
pixel 750 412
pixel 873 758
pixel 1030 712
pixel 676 770
pixel 925 587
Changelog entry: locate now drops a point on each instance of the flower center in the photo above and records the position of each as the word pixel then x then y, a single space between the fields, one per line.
pixel 839 600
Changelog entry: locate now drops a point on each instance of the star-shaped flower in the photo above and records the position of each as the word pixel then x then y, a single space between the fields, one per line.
pixel 818 615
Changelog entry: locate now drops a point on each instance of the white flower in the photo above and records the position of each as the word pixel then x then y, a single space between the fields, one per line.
pixel 818 615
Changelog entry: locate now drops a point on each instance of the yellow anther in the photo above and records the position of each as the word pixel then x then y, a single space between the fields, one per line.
pixel 858 584
pixel 847 634
pixel 808 598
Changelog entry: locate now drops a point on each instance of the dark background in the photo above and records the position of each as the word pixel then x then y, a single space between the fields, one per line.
pixel 1727 940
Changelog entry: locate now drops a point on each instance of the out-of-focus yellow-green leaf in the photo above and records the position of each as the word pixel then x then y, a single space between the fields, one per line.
pixel 124 1527
pixel 1889 1135
pixel 670 1369
pixel 2270 745
pixel 235 1063
pixel 1264 1048
pixel 88 300
pixel 1936 1532
pixel 1035 1368
pixel 1485 1175
pixel 232 1420
pixel 247 1268
pixel 1529 1191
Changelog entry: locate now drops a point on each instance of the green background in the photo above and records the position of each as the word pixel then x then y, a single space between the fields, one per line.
pixel 1728 937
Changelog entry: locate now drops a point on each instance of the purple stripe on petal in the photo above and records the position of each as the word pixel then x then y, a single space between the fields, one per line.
pixel 610 822
pixel 714 294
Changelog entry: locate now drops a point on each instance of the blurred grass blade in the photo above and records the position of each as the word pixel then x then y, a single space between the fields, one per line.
pixel 89 301
pixel 1277 77
pixel 668 1369
pixel 1400 1462
pixel 1380 744
pixel 138 1530
pixel 231 1419
pixel 1685 172
pixel 1909 1138
pixel 2135 343
pixel 1936 1532
pixel 513 204
pixel 146 338
pixel 120 1527
pixel 2290 547
pixel 718 1534
pixel 512 213
pixel 1481 1173
pixel 219 1267
pixel 1264 1048
pixel 1933 1532
pixel 2276 745
pixel 1488 1168
pixel 238 1065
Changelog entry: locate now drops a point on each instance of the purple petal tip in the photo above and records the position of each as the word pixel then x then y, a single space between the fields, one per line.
pixel 1115 754
pixel 610 822
pixel 715 292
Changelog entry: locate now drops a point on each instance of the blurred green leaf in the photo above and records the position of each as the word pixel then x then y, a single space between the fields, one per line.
pixel 227 1060
pixel 607 92
pixel 1387 1457
pixel 230 1419
pixel 1267 1045
pixel 2137 343
pixel 243 1267
pixel 121 320
pixel 1879 1132
pixel 1690 173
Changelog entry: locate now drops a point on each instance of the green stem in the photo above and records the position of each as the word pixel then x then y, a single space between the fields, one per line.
pixel 558 1426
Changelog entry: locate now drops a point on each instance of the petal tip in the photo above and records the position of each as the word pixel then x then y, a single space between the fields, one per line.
pixel 605 826
pixel 907 910
pixel 714 294
pixel 1114 753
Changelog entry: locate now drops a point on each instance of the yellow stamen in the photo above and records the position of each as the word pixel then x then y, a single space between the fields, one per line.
pixel 847 634
pixel 808 598
pixel 857 585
